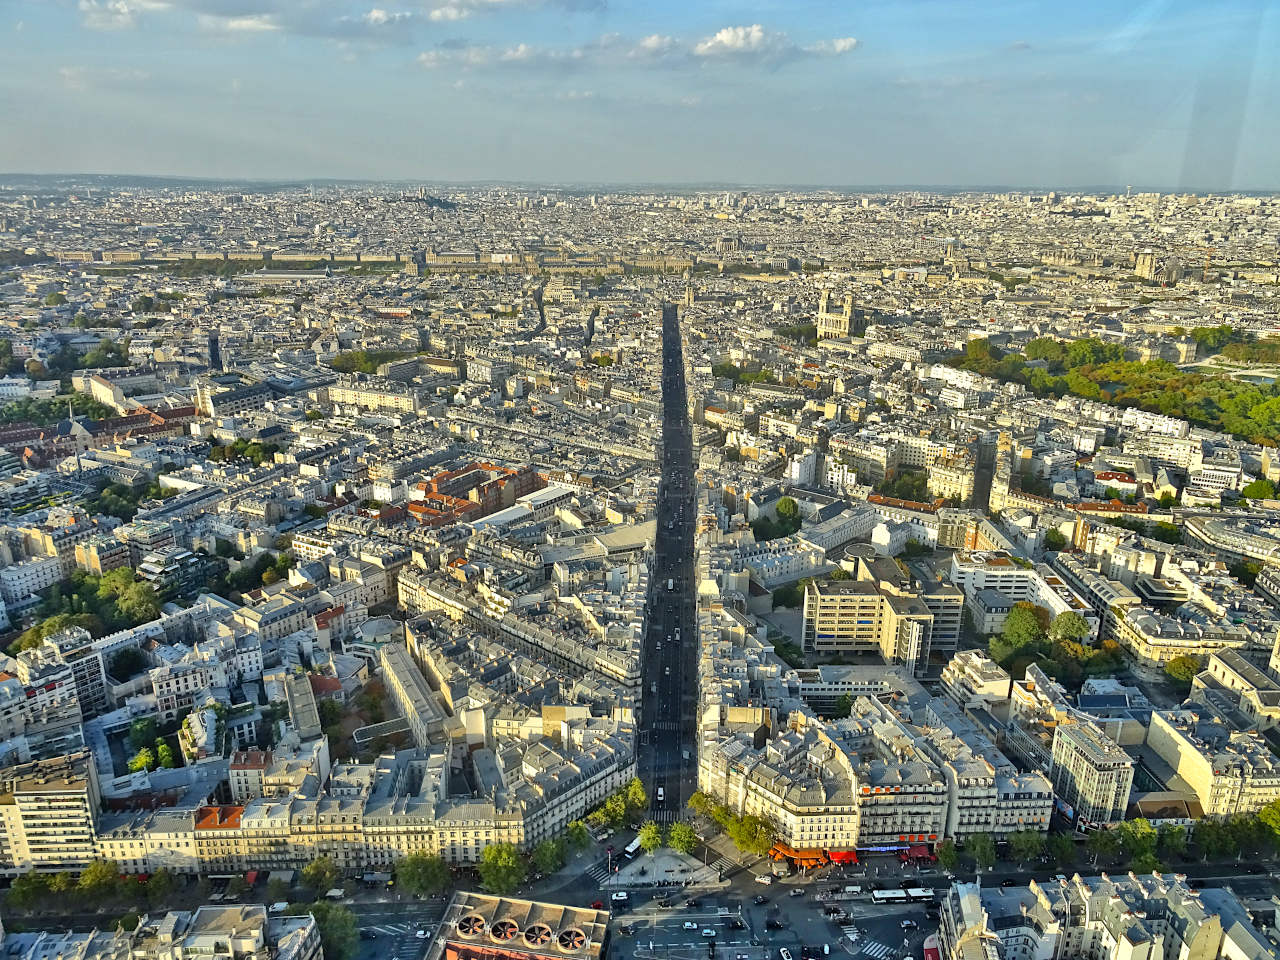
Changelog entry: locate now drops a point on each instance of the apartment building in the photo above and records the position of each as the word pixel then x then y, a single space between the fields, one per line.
pixel 1230 681
pixel 48 814
pixel 1231 771
pixel 243 931
pixel 881 611
pixel 974 681
pixel 1018 581
pixel 411 695
pixel 1091 774
pixel 1149 917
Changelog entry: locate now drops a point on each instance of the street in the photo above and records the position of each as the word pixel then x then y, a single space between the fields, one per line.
pixel 667 759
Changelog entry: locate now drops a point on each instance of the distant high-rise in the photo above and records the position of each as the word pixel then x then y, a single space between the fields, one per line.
pixel 215 352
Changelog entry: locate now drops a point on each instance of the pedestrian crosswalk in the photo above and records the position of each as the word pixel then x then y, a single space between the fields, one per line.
pixel 666 725
pixel 876 950
pixel 723 863
pixel 599 873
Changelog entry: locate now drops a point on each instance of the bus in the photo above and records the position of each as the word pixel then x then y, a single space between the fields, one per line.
pixel 632 849
pixel 889 896
pixel 919 895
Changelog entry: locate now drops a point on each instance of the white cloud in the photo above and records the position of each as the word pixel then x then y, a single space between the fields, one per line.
pixel 116 14
pixel 247 24
pixel 742 44
pixel 759 44
pixel 448 10
pixel 736 41
pixel 656 46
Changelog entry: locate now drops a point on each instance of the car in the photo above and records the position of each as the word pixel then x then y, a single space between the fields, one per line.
pixel 597 904
pixel 736 924
pixel 664 902
pixel 796 892
pixel 421 934
pixel 368 934
pixel 666 671
pixel 784 953
pixel 708 933
pixel 759 898
pixel 908 925
pixel 773 924
pixel 620 897
pixel 662 794
pixel 626 930
pixel 690 925
pixel 765 879
pixel 691 902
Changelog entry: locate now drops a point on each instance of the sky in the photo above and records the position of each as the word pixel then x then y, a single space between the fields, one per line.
pixel 1159 94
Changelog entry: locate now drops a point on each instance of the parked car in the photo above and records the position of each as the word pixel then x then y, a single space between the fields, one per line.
pixel 690 925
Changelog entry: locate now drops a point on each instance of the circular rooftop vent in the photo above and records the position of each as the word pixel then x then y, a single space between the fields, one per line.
pixel 537 934
pixel 571 939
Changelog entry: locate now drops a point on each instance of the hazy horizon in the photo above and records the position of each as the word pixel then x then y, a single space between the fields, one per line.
pixel 921 94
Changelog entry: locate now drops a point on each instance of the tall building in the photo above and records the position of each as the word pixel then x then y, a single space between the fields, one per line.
pixel 48 812
pixel 1091 774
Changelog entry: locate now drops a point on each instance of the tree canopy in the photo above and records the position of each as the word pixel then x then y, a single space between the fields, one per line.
pixel 502 870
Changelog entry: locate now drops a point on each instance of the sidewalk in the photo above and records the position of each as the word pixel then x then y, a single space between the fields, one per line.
pixel 665 867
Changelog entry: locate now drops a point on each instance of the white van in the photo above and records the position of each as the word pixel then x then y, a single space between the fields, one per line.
pixel 662 794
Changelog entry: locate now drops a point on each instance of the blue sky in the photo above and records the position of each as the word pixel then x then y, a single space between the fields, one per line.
pixel 850 92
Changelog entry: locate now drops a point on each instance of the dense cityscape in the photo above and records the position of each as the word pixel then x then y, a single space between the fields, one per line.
pixel 427 572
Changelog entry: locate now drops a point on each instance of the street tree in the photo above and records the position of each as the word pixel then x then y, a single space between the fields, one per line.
pixel 1172 842
pixel 28 890
pixel 682 837
pixel 701 805
pixel 99 878
pixel 339 935
pixel 1062 847
pixel 751 834
pixel 577 837
pixel 983 850
pixel 1103 846
pixel 320 874
pixel 636 798
pixel 501 868
pixel 948 856
pixel 650 837
pixel 160 887
pixel 548 856
pixel 1026 845
pixel 422 874
pixel 1138 839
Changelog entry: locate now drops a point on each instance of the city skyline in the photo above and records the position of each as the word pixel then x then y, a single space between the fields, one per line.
pixel 1159 95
